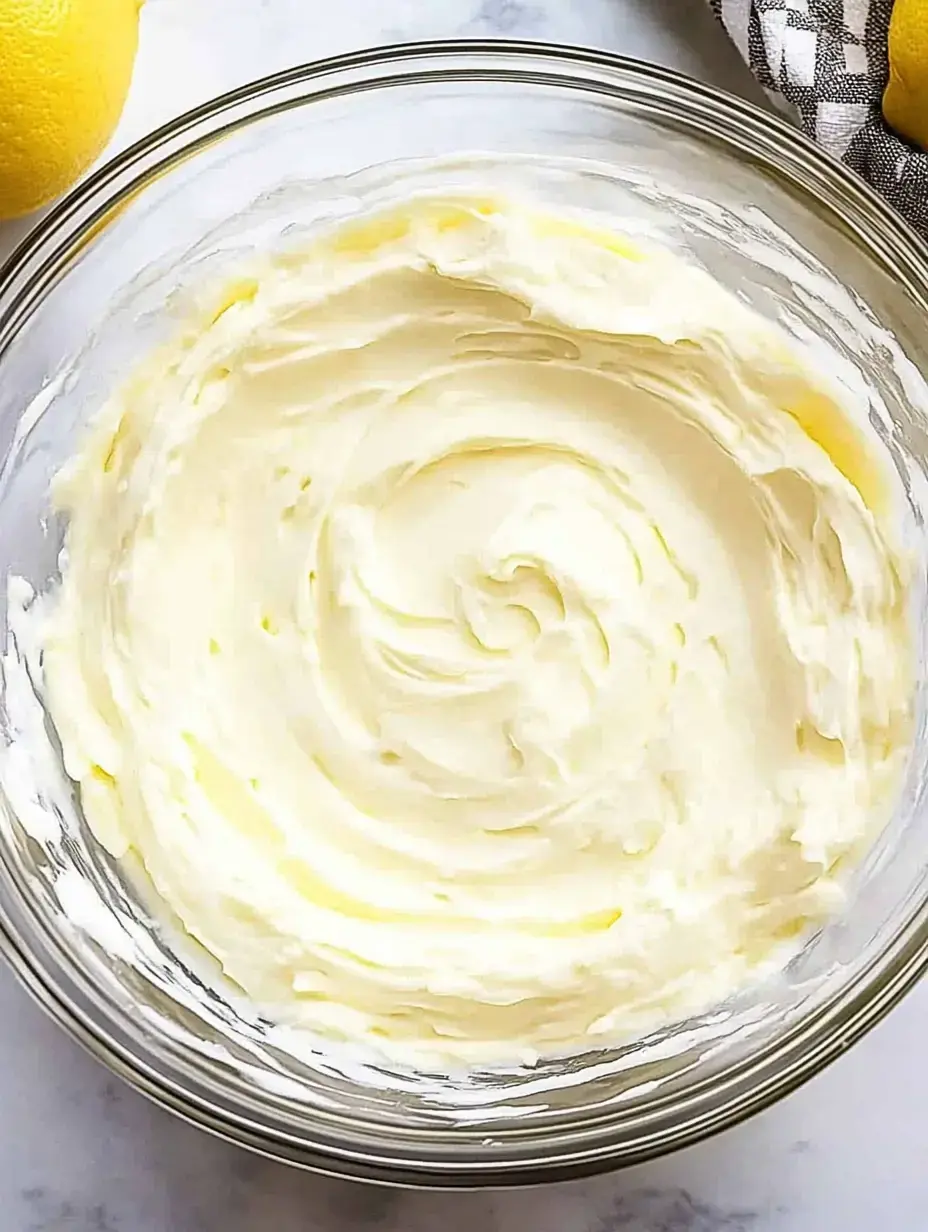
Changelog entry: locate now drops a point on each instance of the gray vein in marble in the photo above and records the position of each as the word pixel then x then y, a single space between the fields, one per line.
pixel 671 1210
pixel 48 1211
pixel 508 18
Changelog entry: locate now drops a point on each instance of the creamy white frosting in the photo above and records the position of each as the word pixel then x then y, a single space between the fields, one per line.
pixel 489 635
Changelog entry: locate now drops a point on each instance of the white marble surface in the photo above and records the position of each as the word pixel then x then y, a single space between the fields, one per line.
pixel 80 1152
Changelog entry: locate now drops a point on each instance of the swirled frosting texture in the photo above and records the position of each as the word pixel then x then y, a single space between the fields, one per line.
pixel 487 634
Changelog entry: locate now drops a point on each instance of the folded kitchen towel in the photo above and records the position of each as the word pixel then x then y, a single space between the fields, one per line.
pixel 826 62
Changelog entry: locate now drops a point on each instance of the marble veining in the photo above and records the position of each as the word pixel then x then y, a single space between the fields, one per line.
pixel 81 1152
pixel 671 1210
pixel 509 18
pixel 48 1211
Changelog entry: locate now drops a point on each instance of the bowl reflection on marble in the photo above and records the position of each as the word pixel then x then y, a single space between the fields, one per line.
pixel 106 277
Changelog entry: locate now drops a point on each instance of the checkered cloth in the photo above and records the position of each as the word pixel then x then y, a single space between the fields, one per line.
pixel 825 62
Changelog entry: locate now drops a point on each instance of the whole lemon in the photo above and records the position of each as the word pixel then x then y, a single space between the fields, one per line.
pixel 905 101
pixel 65 67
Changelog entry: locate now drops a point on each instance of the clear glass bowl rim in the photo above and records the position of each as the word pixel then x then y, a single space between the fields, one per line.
pixel 44 965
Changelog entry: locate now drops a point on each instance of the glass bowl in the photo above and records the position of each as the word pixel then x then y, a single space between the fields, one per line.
pixel 114 268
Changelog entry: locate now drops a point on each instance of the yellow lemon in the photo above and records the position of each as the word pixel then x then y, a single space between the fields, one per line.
pixel 905 102
pixel 65 67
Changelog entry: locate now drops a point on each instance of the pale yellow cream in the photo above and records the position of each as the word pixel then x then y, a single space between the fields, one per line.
pixel 488 635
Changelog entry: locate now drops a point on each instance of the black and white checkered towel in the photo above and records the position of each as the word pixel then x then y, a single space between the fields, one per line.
pixel 825 61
